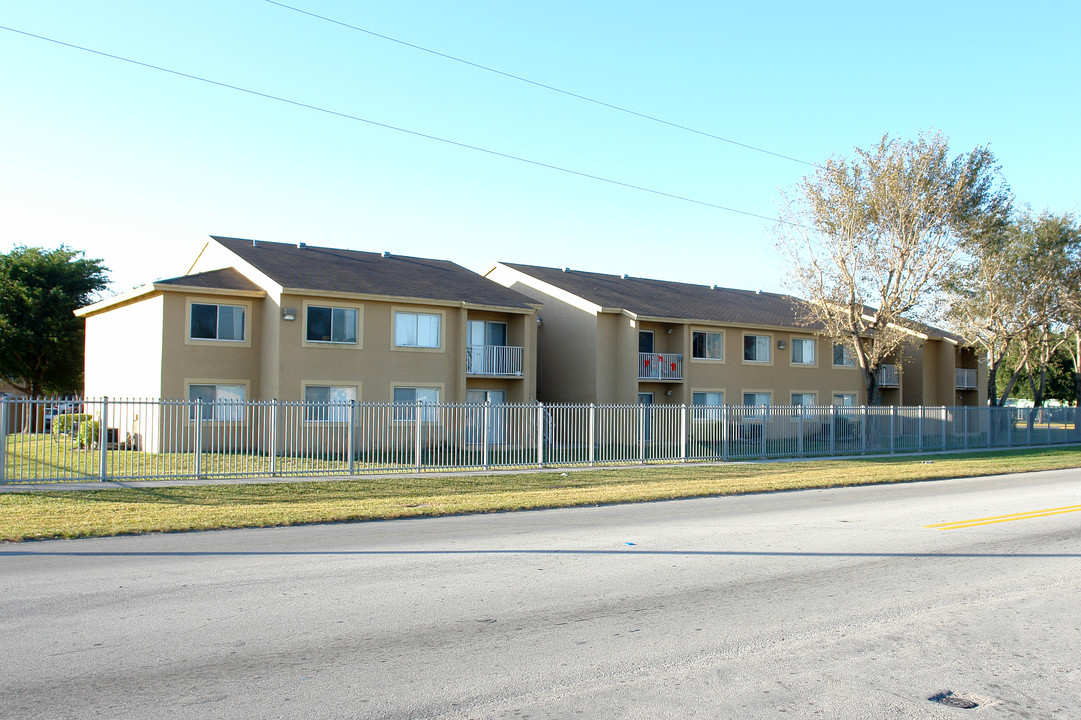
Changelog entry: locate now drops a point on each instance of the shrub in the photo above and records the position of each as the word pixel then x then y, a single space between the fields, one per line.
pixel 89 430
pixel 66 424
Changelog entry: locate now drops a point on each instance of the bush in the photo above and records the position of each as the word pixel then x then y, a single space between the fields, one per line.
pixel 89 431
pixel 66 424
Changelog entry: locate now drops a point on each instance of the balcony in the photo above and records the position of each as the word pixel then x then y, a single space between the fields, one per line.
pixel 966 379
pixel 499 360
pixel 887 376
pixel 660 366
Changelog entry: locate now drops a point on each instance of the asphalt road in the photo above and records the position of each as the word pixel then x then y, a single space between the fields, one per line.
pixel 817 604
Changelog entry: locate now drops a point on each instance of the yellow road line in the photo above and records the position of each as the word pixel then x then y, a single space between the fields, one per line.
pixel 957 524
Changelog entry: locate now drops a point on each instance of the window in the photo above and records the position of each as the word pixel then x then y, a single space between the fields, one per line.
pixel 842 356
pixel 328 403
pixel 332 325
pixel 406 399
pixel 217 322
pixel 756 348
pixel 216 402
pixel 756 399
pixel 844 399
pixel 416 329
pixel 707 405
pixel 803 351
pixel 804 399
pixel 707 345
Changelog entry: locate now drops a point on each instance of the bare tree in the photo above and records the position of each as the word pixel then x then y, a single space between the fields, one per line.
pixel 870 240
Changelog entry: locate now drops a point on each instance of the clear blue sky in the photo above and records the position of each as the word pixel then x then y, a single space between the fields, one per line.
pixel 138 167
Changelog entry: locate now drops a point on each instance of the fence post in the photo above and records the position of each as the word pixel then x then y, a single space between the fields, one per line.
pixel 943 427
pixel 833 424
pixel 919 431
pixel 540 434
pixel 417 435
pixel 350 442
pixel 864 429
pixel 198 437
pixel 1009 427
pixel 641 434
pixel 724 433
pixel 893 428
pixel 592 433
pixel 964 429
pixel 683 432
pixel 487 421
pixel 103 438
pixel 762 434
pixel 3 437
pixel 274 408
pixel 799 434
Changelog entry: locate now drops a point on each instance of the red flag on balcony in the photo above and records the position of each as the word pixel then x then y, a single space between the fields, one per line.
pixel 647 362
pixel 673 366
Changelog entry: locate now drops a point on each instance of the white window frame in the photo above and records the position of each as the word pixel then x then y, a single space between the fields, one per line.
pixel 358 327
pixel 229 408
pixel 706 358
pixel 397 313
pixel 334 408
pixel 814 351
pixel 767 344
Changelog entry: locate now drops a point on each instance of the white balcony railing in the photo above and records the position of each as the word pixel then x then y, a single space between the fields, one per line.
pixel 493 360
pixel 887 376
pixel 966 379
pixel 660 366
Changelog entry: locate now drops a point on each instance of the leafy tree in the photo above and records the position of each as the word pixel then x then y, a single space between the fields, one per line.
pixel 1059 381
pixel 998 296
pixel 870 240
pixel 41 340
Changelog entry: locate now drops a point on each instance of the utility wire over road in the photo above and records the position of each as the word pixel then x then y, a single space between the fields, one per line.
pixel 545 86
pixel 415 133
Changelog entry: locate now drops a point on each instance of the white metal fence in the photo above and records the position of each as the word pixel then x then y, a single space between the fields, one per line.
pixel 102 439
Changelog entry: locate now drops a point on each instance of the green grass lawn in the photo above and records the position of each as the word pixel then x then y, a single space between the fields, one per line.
pixel 70 514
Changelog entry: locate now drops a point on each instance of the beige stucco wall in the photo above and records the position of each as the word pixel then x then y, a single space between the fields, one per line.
pixel 565 342
pixel 124 351
pixel 186 362
pixel 376 366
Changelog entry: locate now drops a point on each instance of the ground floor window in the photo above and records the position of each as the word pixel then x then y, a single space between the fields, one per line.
pixel 406 399
pixel 707 405
pixel 328 403
pixel 216 402
pixel 844 399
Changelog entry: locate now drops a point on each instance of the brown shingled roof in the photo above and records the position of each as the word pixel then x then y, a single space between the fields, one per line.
pixel 665 299
pixel 224 279
pixel 683 301
pixel 352 271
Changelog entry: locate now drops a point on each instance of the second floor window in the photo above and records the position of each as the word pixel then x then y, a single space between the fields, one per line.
pixel 842 356
pixel 707 345
pixel 756 348
pixel 332 325
pixel 416 329
pixel 217 322
pixel 803 351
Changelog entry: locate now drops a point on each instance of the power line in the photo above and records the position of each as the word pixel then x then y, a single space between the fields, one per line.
pixel 396 128
pixel 535 83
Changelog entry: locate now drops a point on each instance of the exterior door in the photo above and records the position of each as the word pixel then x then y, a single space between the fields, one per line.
pixel 646 400
pixel 496 413
pixel 486 341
